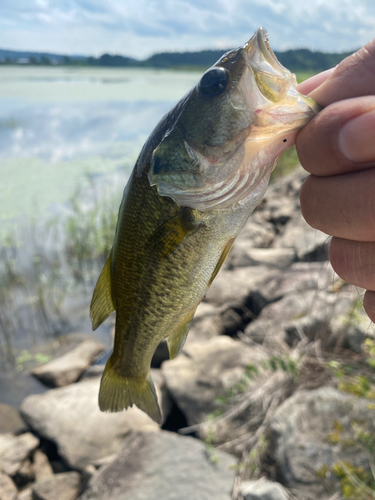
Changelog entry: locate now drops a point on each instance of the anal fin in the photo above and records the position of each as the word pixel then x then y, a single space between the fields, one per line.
pixel 101 303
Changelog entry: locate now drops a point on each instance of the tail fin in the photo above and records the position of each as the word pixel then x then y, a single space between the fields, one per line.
pixel 118 393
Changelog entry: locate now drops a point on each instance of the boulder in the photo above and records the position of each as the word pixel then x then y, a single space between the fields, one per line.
pixel 237 287
pixel 313 433
pixel 14 450
pixel 309 244
pixel 42 467
pixel 243 255
pixel 10 420
pixel 205 372
pixel 68 368
pixel 257 232
pixel 305 316
pixel 25 474
pixel 26 494
pixel 331 316
pixel 207 323
pixel 263 489
pixel 299 277
pixel 281 201
pixel 65 486
pixel 164 466
pixel 8 490
pixel 70 417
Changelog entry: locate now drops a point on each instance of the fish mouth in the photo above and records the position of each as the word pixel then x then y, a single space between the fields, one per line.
pixel 258 47
pixel 259 42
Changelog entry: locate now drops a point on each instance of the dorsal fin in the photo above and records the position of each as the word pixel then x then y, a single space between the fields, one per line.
pixel 102 304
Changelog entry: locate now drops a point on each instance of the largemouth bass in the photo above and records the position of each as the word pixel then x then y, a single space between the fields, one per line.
pixel 199 176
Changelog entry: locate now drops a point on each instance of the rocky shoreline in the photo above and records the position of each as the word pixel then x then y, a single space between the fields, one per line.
pixel 272 397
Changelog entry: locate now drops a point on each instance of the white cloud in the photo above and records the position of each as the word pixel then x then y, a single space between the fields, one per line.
pixel 142 27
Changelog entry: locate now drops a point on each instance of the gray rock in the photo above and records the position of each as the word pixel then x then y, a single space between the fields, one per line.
pixel 235 288
pixel 243 255
pixel 278 208
pixel 351 326
pixel 305 316
pixel 14 450
pixel 205 372
pixel 207 323
pixel 312 431
pixel 70 417
pixel 10 420
pixel 25 474
pixel 8 490
pixel 93 371
pixel 41 465
pixel 281 210
pixel 258 233
pixel 287 186
pixel 309 244
pixel 26 494
pixel 163 466
pixel 262 490
pixel 68 368
pixel 299 277
pixel 65 486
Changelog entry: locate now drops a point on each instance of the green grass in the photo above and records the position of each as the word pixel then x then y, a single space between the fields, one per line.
pixel 304 75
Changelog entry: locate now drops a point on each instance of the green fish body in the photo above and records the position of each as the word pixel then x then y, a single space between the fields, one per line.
pixel 198 178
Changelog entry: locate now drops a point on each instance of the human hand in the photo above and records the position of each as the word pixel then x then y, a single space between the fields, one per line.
pixel 338 148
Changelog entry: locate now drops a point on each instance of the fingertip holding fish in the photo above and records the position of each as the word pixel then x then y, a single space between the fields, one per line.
pixel 198 178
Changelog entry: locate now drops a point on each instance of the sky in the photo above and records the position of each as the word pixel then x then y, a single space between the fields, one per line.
pixel 139 28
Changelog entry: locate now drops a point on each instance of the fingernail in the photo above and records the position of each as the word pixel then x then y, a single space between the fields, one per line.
pixel 357 138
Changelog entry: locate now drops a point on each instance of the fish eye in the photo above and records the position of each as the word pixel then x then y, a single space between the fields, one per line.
pixel 213 82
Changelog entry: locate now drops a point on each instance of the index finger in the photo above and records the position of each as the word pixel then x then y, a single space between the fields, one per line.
pixel 353 77
pixel 324 146
pixel 315 81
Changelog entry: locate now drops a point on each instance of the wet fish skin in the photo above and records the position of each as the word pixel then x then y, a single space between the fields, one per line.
pixel 198 178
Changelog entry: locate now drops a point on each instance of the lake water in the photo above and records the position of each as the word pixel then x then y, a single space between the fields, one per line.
pixel 61 127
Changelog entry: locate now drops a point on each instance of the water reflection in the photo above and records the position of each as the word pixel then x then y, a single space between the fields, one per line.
pixel 61 132
pixel 60 125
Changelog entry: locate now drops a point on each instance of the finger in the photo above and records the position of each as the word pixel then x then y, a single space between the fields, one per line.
pixel 342 205
pixel 369 304
pixel 353 77
pixel 312 83
pixel 340 138
pixel 354 261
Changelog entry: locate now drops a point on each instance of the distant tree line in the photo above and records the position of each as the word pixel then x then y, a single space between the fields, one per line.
pixel 295 60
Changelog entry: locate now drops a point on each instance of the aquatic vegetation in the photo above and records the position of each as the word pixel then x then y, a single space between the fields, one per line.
pixel 43 268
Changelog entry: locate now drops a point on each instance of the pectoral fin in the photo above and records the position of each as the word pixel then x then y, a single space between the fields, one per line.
pixel 171 234
pixel 102 304
pixel 177 339
pixel 222 259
